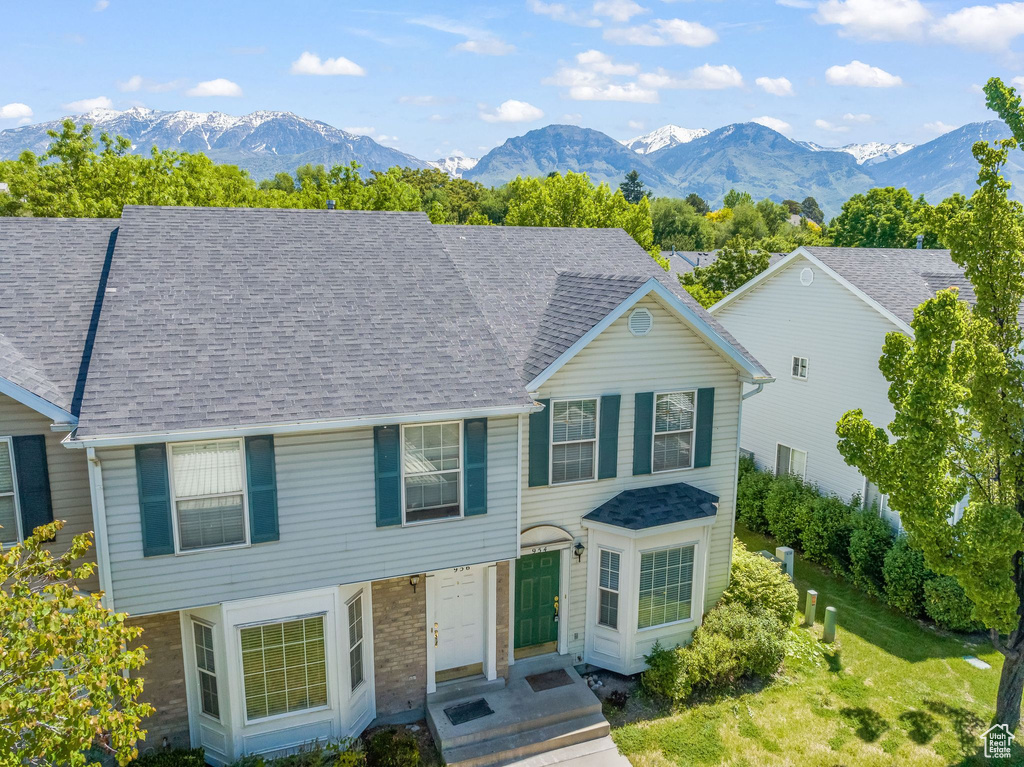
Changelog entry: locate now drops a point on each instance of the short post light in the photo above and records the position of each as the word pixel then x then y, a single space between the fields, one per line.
pixel 829 634
pixel 785 555
pixel 810 606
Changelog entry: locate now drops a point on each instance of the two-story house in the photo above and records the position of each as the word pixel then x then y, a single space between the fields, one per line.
pixel 344 463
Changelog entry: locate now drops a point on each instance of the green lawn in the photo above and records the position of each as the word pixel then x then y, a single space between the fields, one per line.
pixel 891 691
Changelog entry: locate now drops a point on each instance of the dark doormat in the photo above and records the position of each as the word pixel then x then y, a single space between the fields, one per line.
pixel 549 680
pixel 467 712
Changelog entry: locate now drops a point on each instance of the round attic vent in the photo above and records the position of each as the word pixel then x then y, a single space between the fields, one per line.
pixel 806 276
pixel 640 322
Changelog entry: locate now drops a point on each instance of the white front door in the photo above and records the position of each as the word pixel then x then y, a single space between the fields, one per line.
pixel 459 615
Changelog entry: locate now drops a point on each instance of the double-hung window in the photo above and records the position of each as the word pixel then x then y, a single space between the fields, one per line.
pixel 673 430
pixel 432 470
pixel 207 669
pixel 9 512
pixel 208 479
pixel 666 586
pixel 573 440
pixel 608 612
pixel 284 667
pixel 789 460
pixel 355 640
pixel 800 368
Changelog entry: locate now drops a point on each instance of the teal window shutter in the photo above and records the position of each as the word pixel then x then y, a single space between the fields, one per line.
pixel 608 441
pixel 704 427
pixel 261 474
pixel 33 482
pixel 540 435
pixel 643 432
pixel 154 499
pixel 474 450
pixel 387 456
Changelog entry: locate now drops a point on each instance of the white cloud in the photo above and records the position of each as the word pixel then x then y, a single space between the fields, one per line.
pixel 420 101
pixel 488 46
pixel 601 62
pixel 101 5
pixel 369 130
pixel 618 10
pixel 777 86
pixel 664 32
pixel 311 64
pixel 590 80
pixel 939 127
pixel 831 127
pixel 774 123
pixel 1017 82
pixel 850 117
pixel 217 87
pixel 635 124
pixel 137 83
pixel 477 40
pixel 875 19
pixel 861 75
pixel 572 118
pixel 512 111
pixel 982 26
pixel 706 77
pixel 632 92
pixel 562 12
pixel 15 111
pixel 795 3
pixel 87 105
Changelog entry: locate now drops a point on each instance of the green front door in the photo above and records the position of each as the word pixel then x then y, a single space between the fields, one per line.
pixel 536 599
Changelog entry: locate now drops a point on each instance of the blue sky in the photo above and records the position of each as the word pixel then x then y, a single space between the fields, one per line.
pixel 434 78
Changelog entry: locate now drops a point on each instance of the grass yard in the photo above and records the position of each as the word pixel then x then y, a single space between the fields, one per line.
pixel 891 691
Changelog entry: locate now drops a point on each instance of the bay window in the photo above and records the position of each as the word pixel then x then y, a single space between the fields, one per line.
pixel 284 667
pixel 608 612
pixel 666 586
pixel 207 669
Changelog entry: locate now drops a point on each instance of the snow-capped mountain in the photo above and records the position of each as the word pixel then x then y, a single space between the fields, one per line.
pixel 263 142
pixel 865 154
pixel 454 165
pixel 664 137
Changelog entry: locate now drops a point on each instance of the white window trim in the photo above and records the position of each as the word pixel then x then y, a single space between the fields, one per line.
pixel 692 430
pixel 462 490
pixel 803 363
pixel 178 551
pixel 551 440
pixel 352 688
pixel 791 449
pixel 617 592
pixel 14 493
pixel 241 670
pixel 695 545
pixel 200 671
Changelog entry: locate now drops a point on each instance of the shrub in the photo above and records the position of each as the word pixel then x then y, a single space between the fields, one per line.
pixel 755 639
pixel 756 582
pixel 175 757
pixel 746 466
pixel 343 752
pixel 390 748
pixel 869 543
pixel 946 603
pixel 751 491
pixel 783 509
pixel 664 677
pixel 905 577
pixel 825 539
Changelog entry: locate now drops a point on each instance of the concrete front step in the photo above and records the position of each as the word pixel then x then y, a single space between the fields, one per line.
pixel 519 745
pixel 592 753
pixel 468 689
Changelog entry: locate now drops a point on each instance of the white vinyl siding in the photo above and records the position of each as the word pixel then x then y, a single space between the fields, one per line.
pixel 674 418
pixel 666 586
pixel 608 605
pixel 284 667
pixel 355 641
pixel 208 483
pixel 432 470
pixel 10 515
pixel 573 440
pixel 800 368
pixel 206 667
pixel 790 460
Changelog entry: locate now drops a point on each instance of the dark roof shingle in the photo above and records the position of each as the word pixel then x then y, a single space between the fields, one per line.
pixel 647 507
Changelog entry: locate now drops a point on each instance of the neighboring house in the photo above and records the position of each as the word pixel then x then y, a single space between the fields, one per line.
pixel 52 272
pixel 331 480
pixel 819 318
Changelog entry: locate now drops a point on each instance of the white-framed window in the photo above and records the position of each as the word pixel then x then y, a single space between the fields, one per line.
pixel 800 368
pixel 573 440
pixel 666 586
pixel 608 608
pixel 284 667
pixel 432 471
pixel 355 640
pixel 206 667
pixel 674 418
pixel 790 460
pixel 10 511
pixel 208 493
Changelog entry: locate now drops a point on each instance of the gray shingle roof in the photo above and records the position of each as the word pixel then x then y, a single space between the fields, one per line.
pixel 51 269
pixel 683 261
pixel 226 317
pixel 648 507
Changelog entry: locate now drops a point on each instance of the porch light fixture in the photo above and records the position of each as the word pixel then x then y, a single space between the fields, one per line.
pixel 414 582
pixel 578 551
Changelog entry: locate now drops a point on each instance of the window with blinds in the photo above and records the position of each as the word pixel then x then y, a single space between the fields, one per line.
pixel 284 667
pixel 8 498
pixel 608 608
pixel 208 480
pixel 573 440
pixel 432 468
pixel 673 430
pixel 207 669
pixel 666 586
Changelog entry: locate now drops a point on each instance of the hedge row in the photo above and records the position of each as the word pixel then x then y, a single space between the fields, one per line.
pixel 851 541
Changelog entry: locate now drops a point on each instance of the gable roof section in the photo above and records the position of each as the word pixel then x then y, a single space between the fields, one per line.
pixel 228 318
pixel 51 268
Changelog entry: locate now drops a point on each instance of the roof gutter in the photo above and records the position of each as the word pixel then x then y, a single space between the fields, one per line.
pixel 294 427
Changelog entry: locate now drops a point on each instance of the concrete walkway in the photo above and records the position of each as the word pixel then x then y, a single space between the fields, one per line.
pixel 595 753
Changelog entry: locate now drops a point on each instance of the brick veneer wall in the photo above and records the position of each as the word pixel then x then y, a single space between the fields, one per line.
pixel 164 681
pixel 502 619
pixel 399 645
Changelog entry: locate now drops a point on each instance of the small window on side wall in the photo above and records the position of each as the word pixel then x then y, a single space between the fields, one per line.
pixel 800 368
pixel 789 460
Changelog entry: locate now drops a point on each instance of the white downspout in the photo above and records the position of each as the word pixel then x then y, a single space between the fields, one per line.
pixel 753 392
pixel 99 522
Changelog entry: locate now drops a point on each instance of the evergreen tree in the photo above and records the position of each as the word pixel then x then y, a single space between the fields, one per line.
pixel 632 188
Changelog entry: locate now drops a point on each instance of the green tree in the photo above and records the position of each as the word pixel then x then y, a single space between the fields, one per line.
pixel 738 261
pixel 733 198
pixel 957 389
pixel 883 218
pixel 773 214
pixel 698 203
pixel 677 225
pixel 793 206
pixel 809 208
pixel 632 188
pixel 65 658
